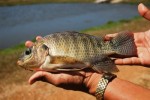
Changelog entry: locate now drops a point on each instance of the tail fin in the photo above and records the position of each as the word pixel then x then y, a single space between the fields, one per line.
pixel 123 44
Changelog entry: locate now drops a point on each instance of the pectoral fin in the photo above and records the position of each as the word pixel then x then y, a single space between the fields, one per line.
pixel 65 70
pixel 104 64
pixel 63 67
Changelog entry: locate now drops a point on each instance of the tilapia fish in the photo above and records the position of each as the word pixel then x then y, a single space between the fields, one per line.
pixel 72 51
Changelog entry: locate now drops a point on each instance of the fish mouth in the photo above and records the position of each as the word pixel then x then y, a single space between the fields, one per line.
pixel 22 65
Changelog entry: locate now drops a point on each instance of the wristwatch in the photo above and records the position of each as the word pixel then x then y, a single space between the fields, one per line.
pixel 102 84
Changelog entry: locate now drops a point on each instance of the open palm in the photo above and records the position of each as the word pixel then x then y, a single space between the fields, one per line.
pixel 142 42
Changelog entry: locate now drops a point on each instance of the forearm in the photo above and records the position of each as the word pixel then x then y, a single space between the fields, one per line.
pixel 123 90
pixel 118 89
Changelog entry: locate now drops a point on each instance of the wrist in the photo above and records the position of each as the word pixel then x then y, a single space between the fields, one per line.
pixel 102 85
pixel 91 82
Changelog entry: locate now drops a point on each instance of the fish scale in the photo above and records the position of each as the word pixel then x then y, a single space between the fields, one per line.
pixel 71 51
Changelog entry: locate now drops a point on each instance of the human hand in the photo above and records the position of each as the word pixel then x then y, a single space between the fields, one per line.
pixel 85 80
pixel 142 42
pixel 144 11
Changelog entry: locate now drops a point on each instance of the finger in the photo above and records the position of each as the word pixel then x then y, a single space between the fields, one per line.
pixel 38 38
pixel 28 44
pixel 34 77
pixel 108 37
pixel 144 11
pixel 125 61
pixel 49 77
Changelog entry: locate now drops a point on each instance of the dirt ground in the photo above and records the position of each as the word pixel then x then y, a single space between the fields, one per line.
pixel 44 91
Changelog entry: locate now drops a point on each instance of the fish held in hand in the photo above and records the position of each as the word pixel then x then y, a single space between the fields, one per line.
pixel 72 51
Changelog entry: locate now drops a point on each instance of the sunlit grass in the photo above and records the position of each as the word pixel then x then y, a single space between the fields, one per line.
pixel 25 2
pixel 136 1
pixel 134 25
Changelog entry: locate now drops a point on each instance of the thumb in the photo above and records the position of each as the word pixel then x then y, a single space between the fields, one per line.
pixel 144 11
pixel 109 37
pixel 36 77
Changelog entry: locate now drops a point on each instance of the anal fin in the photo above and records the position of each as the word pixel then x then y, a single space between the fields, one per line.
pixel 104 64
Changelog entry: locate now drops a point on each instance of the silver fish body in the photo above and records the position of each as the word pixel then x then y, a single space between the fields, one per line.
pixel 70 51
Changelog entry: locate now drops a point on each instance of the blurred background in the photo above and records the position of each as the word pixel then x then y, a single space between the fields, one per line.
pixel 22 20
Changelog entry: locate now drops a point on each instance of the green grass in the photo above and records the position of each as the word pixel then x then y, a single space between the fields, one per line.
pixel 108 25
pixel 12 50
pixel 136 1
pixel 111 24
pixel 24 2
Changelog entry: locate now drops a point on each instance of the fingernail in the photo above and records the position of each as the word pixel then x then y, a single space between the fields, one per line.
pixel 30 82
pixel 107 38
pixel 143 7
pixel 28 44
pixel 38 38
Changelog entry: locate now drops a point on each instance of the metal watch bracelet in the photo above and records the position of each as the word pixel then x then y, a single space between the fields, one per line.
pixel 102 84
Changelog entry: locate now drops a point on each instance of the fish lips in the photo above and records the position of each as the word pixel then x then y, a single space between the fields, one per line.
pixel 20 61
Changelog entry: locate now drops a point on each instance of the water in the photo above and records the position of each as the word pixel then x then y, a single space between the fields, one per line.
pixel 21 23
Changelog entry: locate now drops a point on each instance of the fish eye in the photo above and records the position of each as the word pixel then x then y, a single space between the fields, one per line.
pixel 28 51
